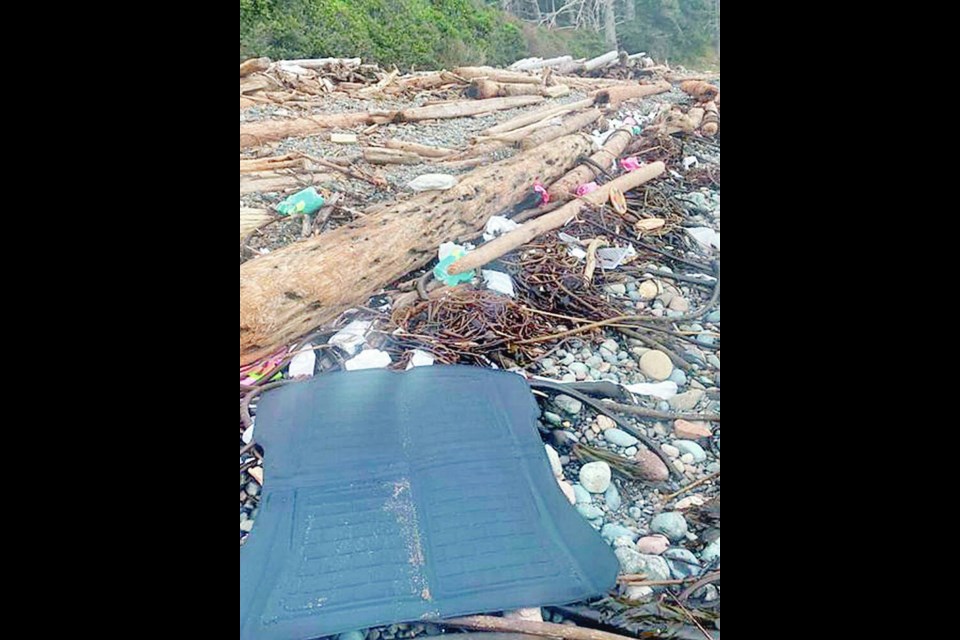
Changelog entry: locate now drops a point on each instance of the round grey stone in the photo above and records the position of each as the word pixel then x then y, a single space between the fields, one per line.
pixel 619 437
pixel 671 524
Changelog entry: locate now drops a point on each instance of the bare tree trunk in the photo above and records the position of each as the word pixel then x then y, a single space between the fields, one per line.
pixel 609 24
pixel 629 10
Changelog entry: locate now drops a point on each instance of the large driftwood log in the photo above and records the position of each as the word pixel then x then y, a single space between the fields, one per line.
pixel 253 65
pixel 322 63
pixel 565 188
pixel 250 219
pixel 279 182
pixel 568 125
pixel 553 220
pixel 497 75
pixel 537 116
pixel 288 292
pixel 526 628
pixel 288 161
pixel 614 96
pixel 258 82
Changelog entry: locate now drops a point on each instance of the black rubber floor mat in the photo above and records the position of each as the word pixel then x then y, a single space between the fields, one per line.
pixel 392 497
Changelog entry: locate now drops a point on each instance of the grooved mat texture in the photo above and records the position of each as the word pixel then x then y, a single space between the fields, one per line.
pixel 393 497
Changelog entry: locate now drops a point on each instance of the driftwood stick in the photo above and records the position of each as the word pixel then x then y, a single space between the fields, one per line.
pixel 537 116
pixel 567 126
pixel 530 230
pixel 546 629
pixel 692 485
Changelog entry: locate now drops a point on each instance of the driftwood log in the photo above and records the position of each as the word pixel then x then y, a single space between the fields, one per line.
pixel 250 219
pixel 700 90
pixel 378 155
pixel 481 89
pixel 568 125
pixel 497 75
pixel 419 149
pixel 537 116
pixel 711 120
pixel 288 292
pixel 615 96
pixel 253 65
pixel 257 133
pixel 280 182
pixel 564 188
pixel 553 220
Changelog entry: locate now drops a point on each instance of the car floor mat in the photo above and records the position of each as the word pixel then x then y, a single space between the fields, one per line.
pixel 408 496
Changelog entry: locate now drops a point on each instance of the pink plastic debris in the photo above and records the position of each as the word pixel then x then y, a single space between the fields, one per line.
pixel 539 188
pixel 630 164
pixel 586 188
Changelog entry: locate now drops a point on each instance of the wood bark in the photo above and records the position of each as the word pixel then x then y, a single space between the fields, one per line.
pixel 250 219
pixel 615 96
pixel 323 63
pixel 564 188
pixel 246 102
pixel 419 149
pixel 695 114
pixel 537 116
pixel 253 65
pixel 497 75
pixel 288 292
pixel 554 220
pixel 568 125
pixel 609 23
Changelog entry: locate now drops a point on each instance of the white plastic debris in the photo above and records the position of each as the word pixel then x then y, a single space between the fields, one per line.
pixel 690 161
pixel 247 436
pixel 663 390
pixel 433 182
pixel 450 248
pixel 497 225
pixel 368 359
pixel 705 236
pixel 303 363
pixel 498 281
pixel 612 257
pixel 351 337
pixel 419 358
pixel 573 245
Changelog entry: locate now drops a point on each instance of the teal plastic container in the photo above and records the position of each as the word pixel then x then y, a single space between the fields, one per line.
pixel 307 201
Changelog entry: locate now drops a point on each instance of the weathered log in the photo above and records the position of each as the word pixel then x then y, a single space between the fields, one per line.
pixel 553 220
pixel 614 96
pixel 272 181
pixel 251 165
pixel 519 134
pixel 246 102
pixel 482 89
pixel 532 628
pixel 288 292
pixel 497 75
pixel 532 64
pixel 253 65
pixel 258 82
pixel 601 61
pixel 250 219
pixel 569 125
pixel 427 81
pixel 695 114
pixel 253 134
pixel 419 149
pixel 463 108
pixel 322 63
pixel 537 116
pixel 700 90
pixel 711 120
pixel 565 188
pixel 376 155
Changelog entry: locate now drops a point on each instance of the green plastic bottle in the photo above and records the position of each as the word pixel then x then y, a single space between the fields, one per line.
pixel 307 201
